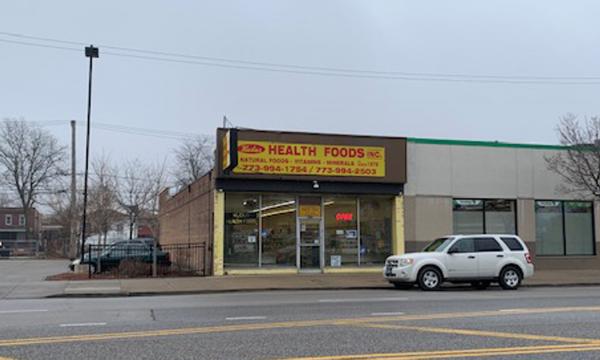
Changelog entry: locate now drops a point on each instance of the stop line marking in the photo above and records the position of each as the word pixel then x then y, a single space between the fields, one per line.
pixel 386 313
pixel 22 311
pixel 84 324
pixel 245 318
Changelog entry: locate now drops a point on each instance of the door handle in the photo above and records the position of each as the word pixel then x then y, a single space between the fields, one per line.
pixel 499 255
pixel 471 257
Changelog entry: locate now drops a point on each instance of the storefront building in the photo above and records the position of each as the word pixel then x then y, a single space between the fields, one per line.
pixel 298 202
pixel 287 202
pixel 466 187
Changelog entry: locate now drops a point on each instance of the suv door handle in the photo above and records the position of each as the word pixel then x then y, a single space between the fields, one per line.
pixel 471 257
pixel 500 255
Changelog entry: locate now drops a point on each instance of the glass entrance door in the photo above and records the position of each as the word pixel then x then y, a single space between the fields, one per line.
pixel 310 233
pixel 310 244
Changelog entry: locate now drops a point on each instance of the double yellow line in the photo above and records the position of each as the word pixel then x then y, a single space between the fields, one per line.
pixel 448 354
pixel 576 344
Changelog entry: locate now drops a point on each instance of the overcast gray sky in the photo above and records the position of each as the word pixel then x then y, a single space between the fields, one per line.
pixel 505 38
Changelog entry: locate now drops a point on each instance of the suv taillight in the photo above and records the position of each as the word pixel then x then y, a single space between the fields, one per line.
pixel 528 258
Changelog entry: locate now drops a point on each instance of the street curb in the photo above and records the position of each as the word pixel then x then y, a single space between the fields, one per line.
pixel 225 291
pixel 561 285
pixel 201 292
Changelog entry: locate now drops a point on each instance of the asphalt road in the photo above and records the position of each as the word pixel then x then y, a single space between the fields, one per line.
pixel 531 323
pixel 24 278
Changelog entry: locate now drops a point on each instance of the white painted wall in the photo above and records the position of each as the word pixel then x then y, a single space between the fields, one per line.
pixel 480 172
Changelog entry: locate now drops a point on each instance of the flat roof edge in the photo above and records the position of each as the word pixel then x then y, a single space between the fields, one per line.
pixel 293 132
pixel 483 143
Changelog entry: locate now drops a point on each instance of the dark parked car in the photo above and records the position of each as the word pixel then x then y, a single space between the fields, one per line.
pixel 4 252
pixel 148 241
pixel 111 256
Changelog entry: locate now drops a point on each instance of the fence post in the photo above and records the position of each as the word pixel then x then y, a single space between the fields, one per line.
pixel 98 252
pixel 204 261
pixel 89 261
pixel 154 262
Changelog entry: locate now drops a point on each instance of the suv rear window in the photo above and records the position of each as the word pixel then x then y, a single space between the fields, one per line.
pixel 512 243
pixel 487 244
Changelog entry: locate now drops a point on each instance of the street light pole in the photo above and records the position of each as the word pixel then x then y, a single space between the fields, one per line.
pixel 90 52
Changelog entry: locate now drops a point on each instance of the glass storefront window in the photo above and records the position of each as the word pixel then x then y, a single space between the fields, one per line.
pixel 278 215
pixel 549 228
pixel 579 228
pixel 341 232
pixel 261 230
pixel 467 216
pixel 479 216
pixel 500 217
pixel 241 230
pixel 375 230
pixel 564 228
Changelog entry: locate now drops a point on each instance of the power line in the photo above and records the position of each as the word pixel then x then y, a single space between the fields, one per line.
pixel 125 129
pixel 146 131
pixel 159 133
pixel 310 70
pixel 295 66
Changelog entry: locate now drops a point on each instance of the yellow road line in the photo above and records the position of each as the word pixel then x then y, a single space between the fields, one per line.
pixel 279 325
pixel 459 353
pixel 439 316
pixel 156 333
pixel 484 333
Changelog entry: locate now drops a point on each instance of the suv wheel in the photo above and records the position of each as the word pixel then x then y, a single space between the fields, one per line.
pixel 510 278
pixel 480 285
pixel 429 278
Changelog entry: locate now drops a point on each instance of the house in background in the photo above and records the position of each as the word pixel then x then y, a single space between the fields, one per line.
pixel 13 232
pixel 119 230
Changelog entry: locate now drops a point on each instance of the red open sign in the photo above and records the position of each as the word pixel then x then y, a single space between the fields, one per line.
pixel 343 216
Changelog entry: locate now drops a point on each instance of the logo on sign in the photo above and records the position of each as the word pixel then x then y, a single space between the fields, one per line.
pixel 373 154
pixel 251 148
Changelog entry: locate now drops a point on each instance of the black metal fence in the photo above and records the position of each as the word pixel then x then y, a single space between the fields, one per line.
pixel 133 258
pixel 16 248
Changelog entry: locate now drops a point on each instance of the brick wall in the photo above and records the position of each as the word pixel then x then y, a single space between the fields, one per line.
pixel 34 219
pixel 186 217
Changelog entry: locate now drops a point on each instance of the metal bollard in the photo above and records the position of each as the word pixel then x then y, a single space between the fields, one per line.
pixel 154 260
pixel 89 261
pixel 98 263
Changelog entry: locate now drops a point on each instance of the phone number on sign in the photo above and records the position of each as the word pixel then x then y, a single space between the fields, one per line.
pixel 307 170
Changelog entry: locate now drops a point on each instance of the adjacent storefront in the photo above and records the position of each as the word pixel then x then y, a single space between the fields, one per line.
pixel 307 202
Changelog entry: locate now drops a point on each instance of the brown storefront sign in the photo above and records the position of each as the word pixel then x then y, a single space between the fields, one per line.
pixel 307 156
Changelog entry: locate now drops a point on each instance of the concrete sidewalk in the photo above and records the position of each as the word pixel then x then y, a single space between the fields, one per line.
pixel 206 285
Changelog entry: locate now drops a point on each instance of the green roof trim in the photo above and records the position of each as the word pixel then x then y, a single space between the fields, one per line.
pixel 484 143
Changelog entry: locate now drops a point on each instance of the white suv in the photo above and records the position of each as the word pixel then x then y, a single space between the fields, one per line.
pixel 475 259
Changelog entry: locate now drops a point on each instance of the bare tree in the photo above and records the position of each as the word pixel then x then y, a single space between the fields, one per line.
pixel 193 158
pixel 5 200
pixel 138 190
pixel 159 183
pixel 59 204
pixel 31 160
pixel 103 204
pixel 579 163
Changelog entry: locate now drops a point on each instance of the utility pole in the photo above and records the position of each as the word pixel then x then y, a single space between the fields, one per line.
pixel 91 52
pixel 72 250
